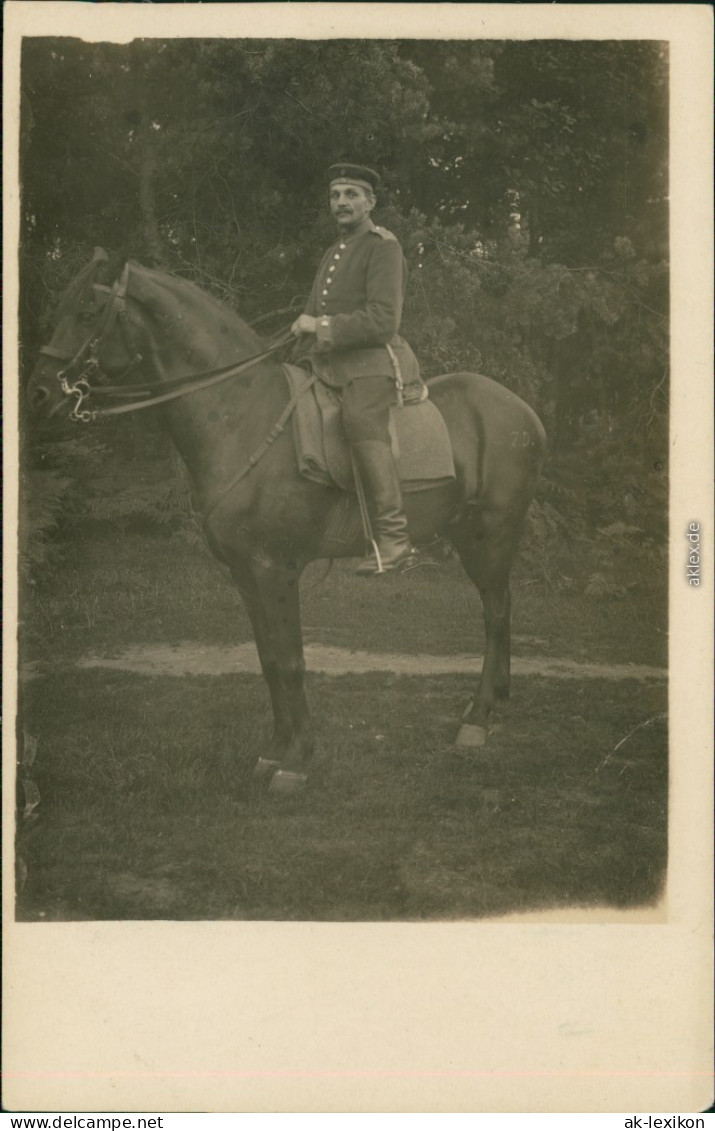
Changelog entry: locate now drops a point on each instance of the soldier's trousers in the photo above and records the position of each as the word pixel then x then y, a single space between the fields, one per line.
pixel 366 408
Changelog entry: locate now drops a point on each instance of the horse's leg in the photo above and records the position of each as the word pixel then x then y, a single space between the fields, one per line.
pixel 486 544
pixel 502 673
pixel 282 723
pixel 277 585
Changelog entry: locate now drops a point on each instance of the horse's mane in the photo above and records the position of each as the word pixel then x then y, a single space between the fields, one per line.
pixel 179 284
pixel 101 270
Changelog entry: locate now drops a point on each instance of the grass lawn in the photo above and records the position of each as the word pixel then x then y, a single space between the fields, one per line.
pixel 147 809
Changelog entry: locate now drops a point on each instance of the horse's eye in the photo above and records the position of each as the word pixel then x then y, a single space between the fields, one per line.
pixel 87 317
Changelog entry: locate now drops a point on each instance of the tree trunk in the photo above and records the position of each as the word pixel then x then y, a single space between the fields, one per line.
pixel 151 239
pixel 147 194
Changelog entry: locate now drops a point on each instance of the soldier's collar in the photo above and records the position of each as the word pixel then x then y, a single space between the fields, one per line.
pixel 368 225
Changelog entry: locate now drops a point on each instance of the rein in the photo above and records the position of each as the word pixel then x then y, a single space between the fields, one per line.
pixel 183 385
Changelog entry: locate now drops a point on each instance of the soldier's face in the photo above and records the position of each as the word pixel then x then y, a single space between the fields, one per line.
pixel 350 205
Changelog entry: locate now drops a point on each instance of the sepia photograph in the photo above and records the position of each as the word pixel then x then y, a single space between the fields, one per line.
pixel 476 369
pixel 345 533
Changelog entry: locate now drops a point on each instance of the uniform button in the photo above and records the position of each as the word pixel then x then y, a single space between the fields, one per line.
pixel 323 304
pixel 328 282
pixel 325 292
pixel 342 246
pixel 331 269
pixel 337 255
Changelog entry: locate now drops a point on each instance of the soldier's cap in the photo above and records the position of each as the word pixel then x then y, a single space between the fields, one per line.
pixel 344 174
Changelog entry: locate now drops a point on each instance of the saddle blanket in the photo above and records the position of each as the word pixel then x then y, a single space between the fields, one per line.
pixel 420 440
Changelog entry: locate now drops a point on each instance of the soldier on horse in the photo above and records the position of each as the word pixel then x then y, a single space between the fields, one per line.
pixel 349 335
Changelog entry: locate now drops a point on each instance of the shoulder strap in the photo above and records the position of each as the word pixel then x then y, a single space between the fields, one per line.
pixel 384 234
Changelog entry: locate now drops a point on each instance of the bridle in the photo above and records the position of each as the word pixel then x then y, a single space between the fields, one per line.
pixel 76 375
pixel 84 364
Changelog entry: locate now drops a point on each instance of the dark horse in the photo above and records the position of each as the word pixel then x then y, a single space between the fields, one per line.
pixel 263 519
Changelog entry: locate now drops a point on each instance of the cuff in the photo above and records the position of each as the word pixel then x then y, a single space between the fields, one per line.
pixel 324 330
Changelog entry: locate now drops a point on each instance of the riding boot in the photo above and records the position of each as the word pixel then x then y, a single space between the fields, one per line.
pixel 378 473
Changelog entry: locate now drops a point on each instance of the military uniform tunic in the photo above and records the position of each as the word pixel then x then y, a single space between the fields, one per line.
pixel 357 300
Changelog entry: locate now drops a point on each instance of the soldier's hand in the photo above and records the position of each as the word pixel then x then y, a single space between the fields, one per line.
pixel 304 324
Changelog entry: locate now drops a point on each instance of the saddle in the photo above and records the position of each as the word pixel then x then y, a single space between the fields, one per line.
pixel 420 441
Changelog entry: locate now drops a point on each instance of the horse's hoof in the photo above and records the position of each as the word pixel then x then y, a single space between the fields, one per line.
pixel 470 735
pixel 287 782
pixel 265 768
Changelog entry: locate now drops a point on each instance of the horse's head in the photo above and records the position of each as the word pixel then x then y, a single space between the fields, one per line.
pixel 88 338
pixel 117 315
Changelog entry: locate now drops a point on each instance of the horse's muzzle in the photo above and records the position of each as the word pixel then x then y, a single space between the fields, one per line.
pixel 43 398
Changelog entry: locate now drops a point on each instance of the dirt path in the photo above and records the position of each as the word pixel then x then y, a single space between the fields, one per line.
pixel 206 659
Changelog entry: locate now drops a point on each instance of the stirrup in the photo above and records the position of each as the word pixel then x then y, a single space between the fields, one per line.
pixel 369 567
